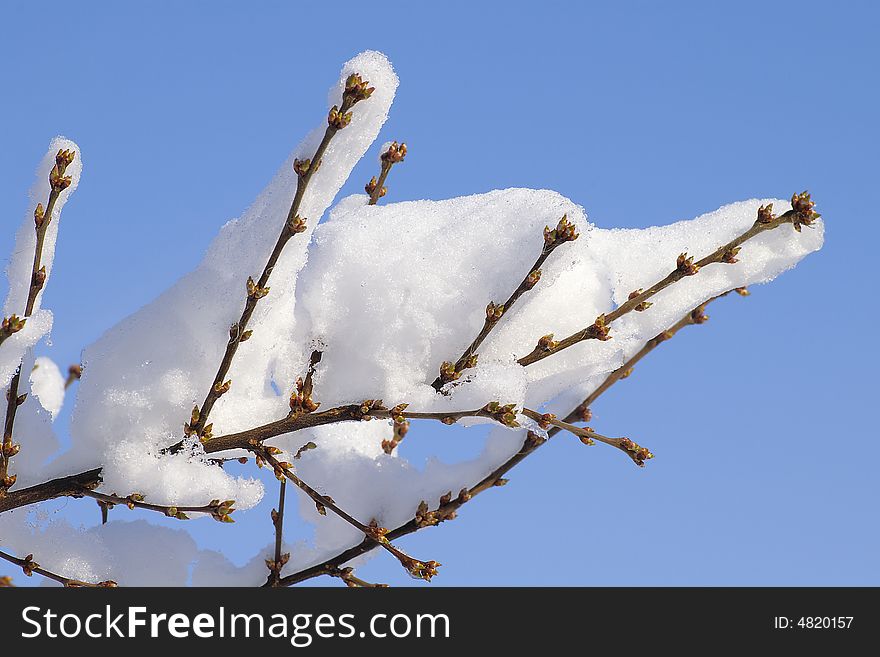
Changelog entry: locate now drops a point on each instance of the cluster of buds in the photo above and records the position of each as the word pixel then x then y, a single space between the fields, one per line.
pixel 338 119
pixel 368 407
pixel 598 330
pixel 582 413
pixel 356 90
pixel 546 420
pixel 804 215
pixel 494 312
pixel 419 569
pixel 399 428
pixel 532 279
pixel 642 305
pixel 765 214
pixel 448 372
pixel 254 291
pixel 236 334
pixel 296 225
pixel 565 231
pixel 305 448
pixel 276 566
pixel 57 180
pixel 371 187
pixel 10 325
pixel 684 265
pixel 636 452
pixel 221 511
pixel 445 510
pixel 191 427
pixel 505 414
pixel 729 256
pixel 39 216
pixel 395 153
pixel 301 399
pixel 585 437
pixel 376 532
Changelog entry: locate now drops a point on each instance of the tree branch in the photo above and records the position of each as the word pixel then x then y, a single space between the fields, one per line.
pixel 338 118
pixel 801 214
pixel 58 182
pixel 376 188
pixel 564 232
pixel 29 566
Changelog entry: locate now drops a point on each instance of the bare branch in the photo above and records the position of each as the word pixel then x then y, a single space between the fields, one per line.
pixel 376 188
pixel 29 566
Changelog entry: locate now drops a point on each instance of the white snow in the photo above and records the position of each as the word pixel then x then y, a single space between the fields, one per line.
pixel 47 384
pixel 387 293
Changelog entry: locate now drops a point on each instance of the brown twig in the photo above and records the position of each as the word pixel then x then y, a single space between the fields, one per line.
pixel 448 507
pixel 58 182
pixel 376 188
pixel 338 118
pixel 564 232
pixel 29 566
pixel 372 532
pixel 801 214
pixel 275 565
pixel 218 510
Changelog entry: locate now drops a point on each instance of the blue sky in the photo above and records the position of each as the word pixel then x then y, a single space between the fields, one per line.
pixel 642 112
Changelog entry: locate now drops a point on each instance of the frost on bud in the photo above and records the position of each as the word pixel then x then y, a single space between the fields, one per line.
pixel 505 414
pixel 598 330
pixel 57 180
pixel 636 452
pixel 729 256
pixel 296 225
pixel 532 279
pixel 254 291
pixel 685 265
pixel 356 90
pixel 565 231
pixel 338 119
pixel 395 153
pixel 494 312
pixel 803 209
pixel 642 306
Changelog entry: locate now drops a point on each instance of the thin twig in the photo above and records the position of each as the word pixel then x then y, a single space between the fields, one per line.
pixel 564 232
pixel 58 182
pixel 801 214
pixel 29 566
pixel 376 188
pixel 218 510
pixel 276 564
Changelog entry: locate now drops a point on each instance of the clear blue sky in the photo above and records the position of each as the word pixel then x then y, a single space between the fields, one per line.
pixel 642 112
